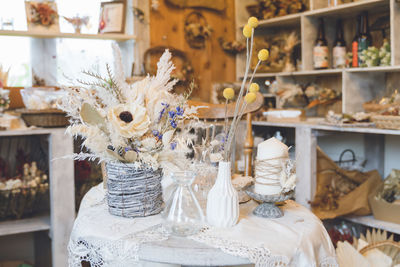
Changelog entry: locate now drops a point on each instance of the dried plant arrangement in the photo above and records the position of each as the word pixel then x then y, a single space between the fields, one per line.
pixel 132 123
pixel 248 90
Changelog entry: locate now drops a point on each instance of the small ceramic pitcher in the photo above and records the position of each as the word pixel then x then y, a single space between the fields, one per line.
pixel 223 200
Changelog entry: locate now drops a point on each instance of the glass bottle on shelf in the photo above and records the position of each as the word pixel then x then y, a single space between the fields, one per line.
pixel 339 47
pixel 354 44
pixel 321 53
pixel 206 174
pixel 365 38
pixel 182 214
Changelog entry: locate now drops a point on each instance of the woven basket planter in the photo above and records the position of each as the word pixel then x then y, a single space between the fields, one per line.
pixel 133 192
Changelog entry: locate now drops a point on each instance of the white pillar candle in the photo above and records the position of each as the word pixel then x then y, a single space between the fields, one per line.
pixel 272 148
pixel 276 153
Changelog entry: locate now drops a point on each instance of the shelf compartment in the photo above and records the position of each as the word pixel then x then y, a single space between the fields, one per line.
pixel 372 222
pixel 364 85
pixel 349 9
pixel 40 223
pixel 43 34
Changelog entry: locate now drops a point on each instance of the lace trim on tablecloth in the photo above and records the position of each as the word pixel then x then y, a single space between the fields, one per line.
pixel 102 253
pixel 260 256
pixel 329 262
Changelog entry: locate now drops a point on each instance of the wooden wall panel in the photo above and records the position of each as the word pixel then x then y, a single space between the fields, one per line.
pixel 210 64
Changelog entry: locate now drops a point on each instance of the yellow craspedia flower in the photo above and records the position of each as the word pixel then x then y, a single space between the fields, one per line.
pixel 263 54
pixel 247 30
pixel 253 22
pixel 254 88
pixel 250 98
pixel 229 93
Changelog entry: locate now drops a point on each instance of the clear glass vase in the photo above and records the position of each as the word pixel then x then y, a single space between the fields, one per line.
pixel 206 174
pixel 182 214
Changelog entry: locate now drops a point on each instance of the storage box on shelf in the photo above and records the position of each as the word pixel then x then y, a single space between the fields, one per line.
pixel 62 198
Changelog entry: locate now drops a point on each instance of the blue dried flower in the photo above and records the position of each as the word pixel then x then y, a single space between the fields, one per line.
pixel 179 111
pixel 173 145
pixel 172 114
pixel 163 110
pixel 173 124
pixel 157 134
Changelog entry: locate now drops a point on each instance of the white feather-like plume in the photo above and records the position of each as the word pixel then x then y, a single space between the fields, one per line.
pixel 119 71
pixel 164 69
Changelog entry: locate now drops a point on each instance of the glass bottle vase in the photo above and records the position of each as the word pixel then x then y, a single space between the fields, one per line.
pixel 182 214
pixel 206 174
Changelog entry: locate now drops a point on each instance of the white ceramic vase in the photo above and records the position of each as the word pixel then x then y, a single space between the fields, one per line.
pixel 223 200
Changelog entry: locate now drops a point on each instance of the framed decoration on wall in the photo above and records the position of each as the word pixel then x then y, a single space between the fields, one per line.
pixel 42 16
pixel 112 17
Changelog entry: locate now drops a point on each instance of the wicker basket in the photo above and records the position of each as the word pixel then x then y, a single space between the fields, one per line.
pixel 387 121
pixel 22 202
pixel 374 107
pixel 133 192
pixel 48 118
pixel 389 247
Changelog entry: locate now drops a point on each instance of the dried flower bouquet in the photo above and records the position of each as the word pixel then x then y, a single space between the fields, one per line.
pixel 248 91
pixel 133 123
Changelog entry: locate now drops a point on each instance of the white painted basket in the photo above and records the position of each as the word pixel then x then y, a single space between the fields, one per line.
pixel 133 192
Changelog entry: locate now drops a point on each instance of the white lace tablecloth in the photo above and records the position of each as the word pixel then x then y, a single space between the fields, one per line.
pixel 297 239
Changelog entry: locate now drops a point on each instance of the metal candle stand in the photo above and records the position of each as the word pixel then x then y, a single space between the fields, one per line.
pixel 268 207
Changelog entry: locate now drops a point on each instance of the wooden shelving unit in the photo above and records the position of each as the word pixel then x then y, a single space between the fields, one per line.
pixel 357 85
pixel 344 9
pixel 109 36
pixel 363 84
pixel 61 218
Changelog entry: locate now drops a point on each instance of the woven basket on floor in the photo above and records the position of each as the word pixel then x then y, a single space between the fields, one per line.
pixel 133 192
pixel 387 121
pixel 389 247
pixel 47 118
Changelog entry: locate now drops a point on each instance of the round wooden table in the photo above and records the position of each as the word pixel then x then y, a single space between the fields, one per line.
pixel 296 239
